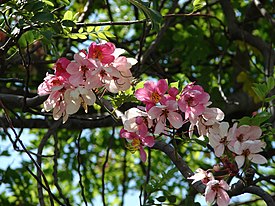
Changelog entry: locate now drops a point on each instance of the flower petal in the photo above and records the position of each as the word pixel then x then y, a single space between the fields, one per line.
pixel 240 161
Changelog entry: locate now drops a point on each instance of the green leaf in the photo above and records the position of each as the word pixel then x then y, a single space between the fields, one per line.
pixel 97 28
pixel 270 83
pixel 257 120
pixel 77 36
pixel 93 35
pixel 161 199
pixel 90 29
pixel 101 35
pixel 68 15
pixel 67 2
pixel 269 99
pixel 153 15
pixel 49 3
pixel 197 4
pixel 109 34
pixel 174 84
pixel 43 17
pixel 172 198
pixel 139 85
pixel 68 23
pixel 26 38
pixel 260 90
pixel 200 142
pixel 5 153
pixel 47 34
pixel 34 6
pixel 106 28
pixel 80 30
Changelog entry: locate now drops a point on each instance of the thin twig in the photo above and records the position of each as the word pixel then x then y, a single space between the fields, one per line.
pixel 125 176
pixel 41 183
pixel 40 173
pixel 104 166
pixel 145 195
pixel 55 169
pixel 79 169
pixel 112 23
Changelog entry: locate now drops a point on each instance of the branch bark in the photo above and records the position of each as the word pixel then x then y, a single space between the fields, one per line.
pixel 236 33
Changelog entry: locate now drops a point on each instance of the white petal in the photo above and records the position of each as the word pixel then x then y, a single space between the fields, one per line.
pixel 240 161
pixel 257 158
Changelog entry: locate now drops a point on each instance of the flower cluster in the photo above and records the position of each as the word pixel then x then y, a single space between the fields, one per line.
pixel 166 109
pixel 215 189
pixel 74 83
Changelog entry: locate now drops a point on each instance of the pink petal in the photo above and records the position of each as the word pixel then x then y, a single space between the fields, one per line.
pixel 143 155
pixel 73 68
pixel 154 112
pixel 175 119
pixel 257 158
pixel 148 141
pixel 209 195
pixel 219 150
pixel 222 198
pixel 107 59
pixel 159 127
pixel 162 86
pixel 240 161
pixel 224 185
pixel 142 94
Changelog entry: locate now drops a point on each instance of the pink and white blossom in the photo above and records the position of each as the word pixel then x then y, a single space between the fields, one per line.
pixel 162 113
pixel 244 133
pixel 61 66
pixel 193 101
pixel 220 137
pixel 210 118
pixel 77 97
pixel 201 175
pixel 249 150
pixel 80 70
pixel 137 142
pixel 152 93
pixel 102 52
pixel 216 191
pixel 129 119
pixel 56 103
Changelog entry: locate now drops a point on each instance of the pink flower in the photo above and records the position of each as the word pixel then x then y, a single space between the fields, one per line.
pixel 248 150
pixel 216 190
pixel 56 103
pixel 123 81
pixel 219 138
pixel 102 52
pixel 130 122
pixel 201 175
pixel 137 142
pixel 51 83
pixel 162 113
pixel 193 101
pixel 243 133
pixel 152 93
pixel 77 97
pixel 210 118
pixel 80 70
pixel 60 67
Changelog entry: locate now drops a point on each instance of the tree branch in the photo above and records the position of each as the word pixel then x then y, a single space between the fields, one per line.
pixel 236 33
pixel 179 163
